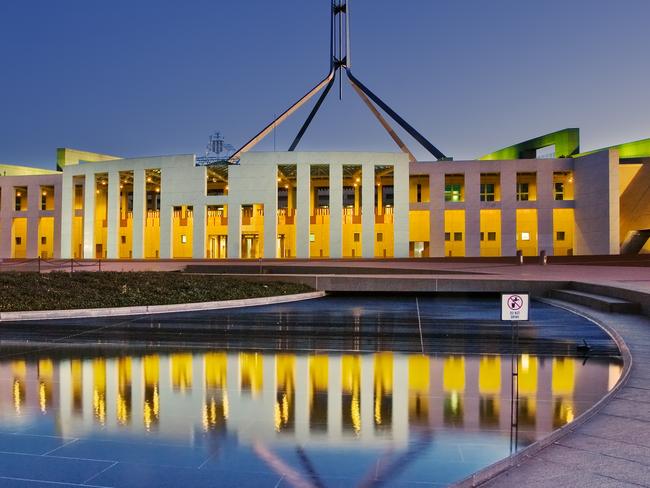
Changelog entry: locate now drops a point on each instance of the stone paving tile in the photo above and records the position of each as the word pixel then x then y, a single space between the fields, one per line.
pixel 20 483
pixel 539 473
pixel 623 407
pixel 623 450
pixel 619 429
pixel 603 465
pixel 634 394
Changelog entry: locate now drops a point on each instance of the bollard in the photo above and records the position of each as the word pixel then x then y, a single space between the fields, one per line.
pixel 520 257
pixel 542 258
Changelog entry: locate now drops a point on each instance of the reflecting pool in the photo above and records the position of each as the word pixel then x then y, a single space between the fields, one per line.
pixel 252 418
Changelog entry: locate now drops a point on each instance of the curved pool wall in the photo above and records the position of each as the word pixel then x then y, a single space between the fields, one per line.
pixel 330 392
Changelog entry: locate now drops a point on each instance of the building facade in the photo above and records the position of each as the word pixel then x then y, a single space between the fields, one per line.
pixel 329 205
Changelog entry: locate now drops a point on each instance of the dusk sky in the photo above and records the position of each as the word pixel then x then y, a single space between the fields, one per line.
pixel 153 77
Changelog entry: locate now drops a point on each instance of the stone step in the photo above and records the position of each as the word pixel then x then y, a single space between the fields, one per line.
pixel 598 302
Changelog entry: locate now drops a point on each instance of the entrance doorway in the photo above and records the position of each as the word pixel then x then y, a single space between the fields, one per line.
pixel 250 246
pixel 217 246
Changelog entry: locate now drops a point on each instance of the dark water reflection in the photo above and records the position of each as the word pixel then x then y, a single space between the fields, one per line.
pixel 317 419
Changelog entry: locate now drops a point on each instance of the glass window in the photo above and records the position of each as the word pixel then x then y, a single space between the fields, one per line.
pixel 560 235
pixel 492 236
pixel 482 236
pixel 458 236
pixel 357 237
pixel 522 192
pixel 380 237
pixel 487 192
pixel 447 236
pixel 559 190
pixel 452 192
pixel 418 196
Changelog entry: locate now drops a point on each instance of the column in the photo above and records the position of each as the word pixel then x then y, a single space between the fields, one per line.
pixel 336 210
pixel 58 213
pixel 89 216
pixel 7 212
pixel 545 199
pixel 113 204
pixel 303 211
pixel 401 209
pixel 198 236
pixel 508 210
pixel 271 228
pixel 33 216
pixel 166 216
pixel 139 213
pixel 234 229
pixel 437 214
pixel 472 213
pixel 368 210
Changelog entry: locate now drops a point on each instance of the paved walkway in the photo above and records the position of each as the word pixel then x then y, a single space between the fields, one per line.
pixel 612 448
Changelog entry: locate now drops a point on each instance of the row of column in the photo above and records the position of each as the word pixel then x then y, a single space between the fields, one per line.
pixel 508 206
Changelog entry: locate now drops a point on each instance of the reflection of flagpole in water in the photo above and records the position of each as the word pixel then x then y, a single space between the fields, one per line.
pixel 290 475
pixel 514 387
pixel 386 471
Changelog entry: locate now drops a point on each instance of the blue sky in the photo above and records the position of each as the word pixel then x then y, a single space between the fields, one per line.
pixel 149 77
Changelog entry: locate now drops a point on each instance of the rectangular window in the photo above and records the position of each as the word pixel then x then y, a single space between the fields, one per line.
pixel 19 241
pixel 487 192
pixel 458 236
pixel 452 192
pixel 19 202
pixel 482 235
pixel 380 237
pixel 418 196
pixel 559 190
pixel 522 192
pixel 123 239
pixel 492 236
pixel 447 236
pixel 183 239
pixel 560 235
pixel 525 236
pixel 43 240
pixel 357 237
pixel 44 202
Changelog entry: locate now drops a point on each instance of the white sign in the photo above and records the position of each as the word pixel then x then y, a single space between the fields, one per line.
pixel 514 306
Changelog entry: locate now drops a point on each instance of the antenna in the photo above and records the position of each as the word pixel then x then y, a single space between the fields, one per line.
pixel 340 60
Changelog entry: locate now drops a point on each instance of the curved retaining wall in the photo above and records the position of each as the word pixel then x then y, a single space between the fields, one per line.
pixel 154 309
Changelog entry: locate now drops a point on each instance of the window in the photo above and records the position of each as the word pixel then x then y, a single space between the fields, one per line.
pixel 492 236
pixel 357 237
pixel 312 237
pixel 447 236
pixel 19 202
pixel 19 241
pixel 44 201
pixel 458 236
pixel 43 240
pixel 522 192
pixel 482 236
pixel 123 239
pixel 323 197
pixel 487 192
pixel 283 198
pixel 183 239
pixel 560 235
pixel 418 196
pixel 525 236
pixel 559 190
pixel 452 192
pixel 380 237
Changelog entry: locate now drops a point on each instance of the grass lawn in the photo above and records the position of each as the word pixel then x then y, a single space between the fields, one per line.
pixel 58 291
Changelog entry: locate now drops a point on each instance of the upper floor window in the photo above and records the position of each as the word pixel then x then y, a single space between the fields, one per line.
pixel 558 190
pixel 452 192
pixel 487 192
pixel 522 192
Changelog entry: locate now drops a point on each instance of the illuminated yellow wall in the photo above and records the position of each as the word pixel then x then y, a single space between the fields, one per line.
pixel 251 367
pixel 563 221
pixel 46 233
pixel 101 220
pixel 454 224
pixel 453 374
pixel 490 223
pixel 182 230
pixel 351 226
pixel 152 234
pixel 19 231
pixel 384 227
pixel 566 178
pixel 319 233
pixel 423 181
pixel 252 232
pixel 419 231
pixel 217 233
pixel 527 223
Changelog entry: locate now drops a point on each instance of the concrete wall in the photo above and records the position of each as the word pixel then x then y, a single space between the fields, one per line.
pixel 597 203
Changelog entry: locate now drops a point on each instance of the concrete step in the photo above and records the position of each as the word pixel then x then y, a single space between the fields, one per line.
pixel 597 302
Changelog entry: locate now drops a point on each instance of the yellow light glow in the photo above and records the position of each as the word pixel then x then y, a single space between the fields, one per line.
pixel 157 189
pixel 44 193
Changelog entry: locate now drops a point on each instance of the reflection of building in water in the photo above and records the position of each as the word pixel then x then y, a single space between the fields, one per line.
pixel 374 398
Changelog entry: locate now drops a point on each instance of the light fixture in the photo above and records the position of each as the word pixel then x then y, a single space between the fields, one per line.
pixel 286 186
pixel 97 192
pixel 157 189
pixel 104 182
pixel 18 194
pixel 358 180
pixel 355 185
pixel 149 179
pixel 121 187
pixel 226 187
pixel 44 193
pixel 279 180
